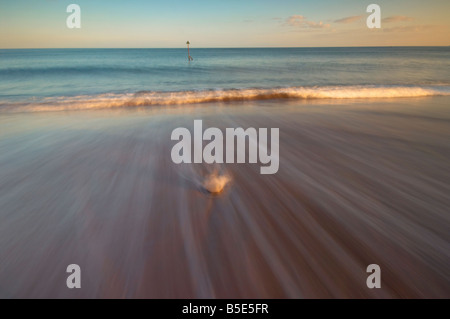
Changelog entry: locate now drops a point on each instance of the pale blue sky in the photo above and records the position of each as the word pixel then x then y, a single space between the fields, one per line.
pixel 231 23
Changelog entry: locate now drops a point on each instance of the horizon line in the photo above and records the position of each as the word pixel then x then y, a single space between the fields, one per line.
pixel 255 47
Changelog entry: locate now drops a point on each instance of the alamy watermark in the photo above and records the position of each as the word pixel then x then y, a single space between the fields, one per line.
pixel 374 279
pixel 374 20
pixel 73 21
pixel 220 151
pixel 74 279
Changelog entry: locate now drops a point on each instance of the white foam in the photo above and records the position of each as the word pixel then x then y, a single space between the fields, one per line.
pixel 142 99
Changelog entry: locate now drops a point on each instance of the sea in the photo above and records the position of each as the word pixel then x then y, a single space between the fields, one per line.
pixel 72 79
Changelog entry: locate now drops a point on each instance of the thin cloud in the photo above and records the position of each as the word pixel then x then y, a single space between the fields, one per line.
pixel 348 20
pixel 397 19
pixel 413 28
pixel 300 21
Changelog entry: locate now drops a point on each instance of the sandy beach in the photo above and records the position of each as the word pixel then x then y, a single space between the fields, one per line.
pixel 360 182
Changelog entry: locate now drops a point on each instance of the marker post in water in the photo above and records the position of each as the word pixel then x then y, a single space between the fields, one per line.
pixel 189 56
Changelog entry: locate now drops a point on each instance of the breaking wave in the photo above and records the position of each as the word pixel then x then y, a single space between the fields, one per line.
pixel 161 98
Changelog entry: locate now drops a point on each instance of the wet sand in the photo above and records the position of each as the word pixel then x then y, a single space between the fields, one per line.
pixel 360 182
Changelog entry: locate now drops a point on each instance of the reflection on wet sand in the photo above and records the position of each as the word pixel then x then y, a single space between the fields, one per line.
pixel 359 183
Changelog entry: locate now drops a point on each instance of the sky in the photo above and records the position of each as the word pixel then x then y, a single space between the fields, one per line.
pixel 222 23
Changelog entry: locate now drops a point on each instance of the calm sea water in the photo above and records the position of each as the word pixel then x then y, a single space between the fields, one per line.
pixel 65 78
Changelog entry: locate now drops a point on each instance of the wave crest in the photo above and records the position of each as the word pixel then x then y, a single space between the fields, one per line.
pixel 153 98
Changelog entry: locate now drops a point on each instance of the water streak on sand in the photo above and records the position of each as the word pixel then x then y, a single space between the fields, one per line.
pixel 359 184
